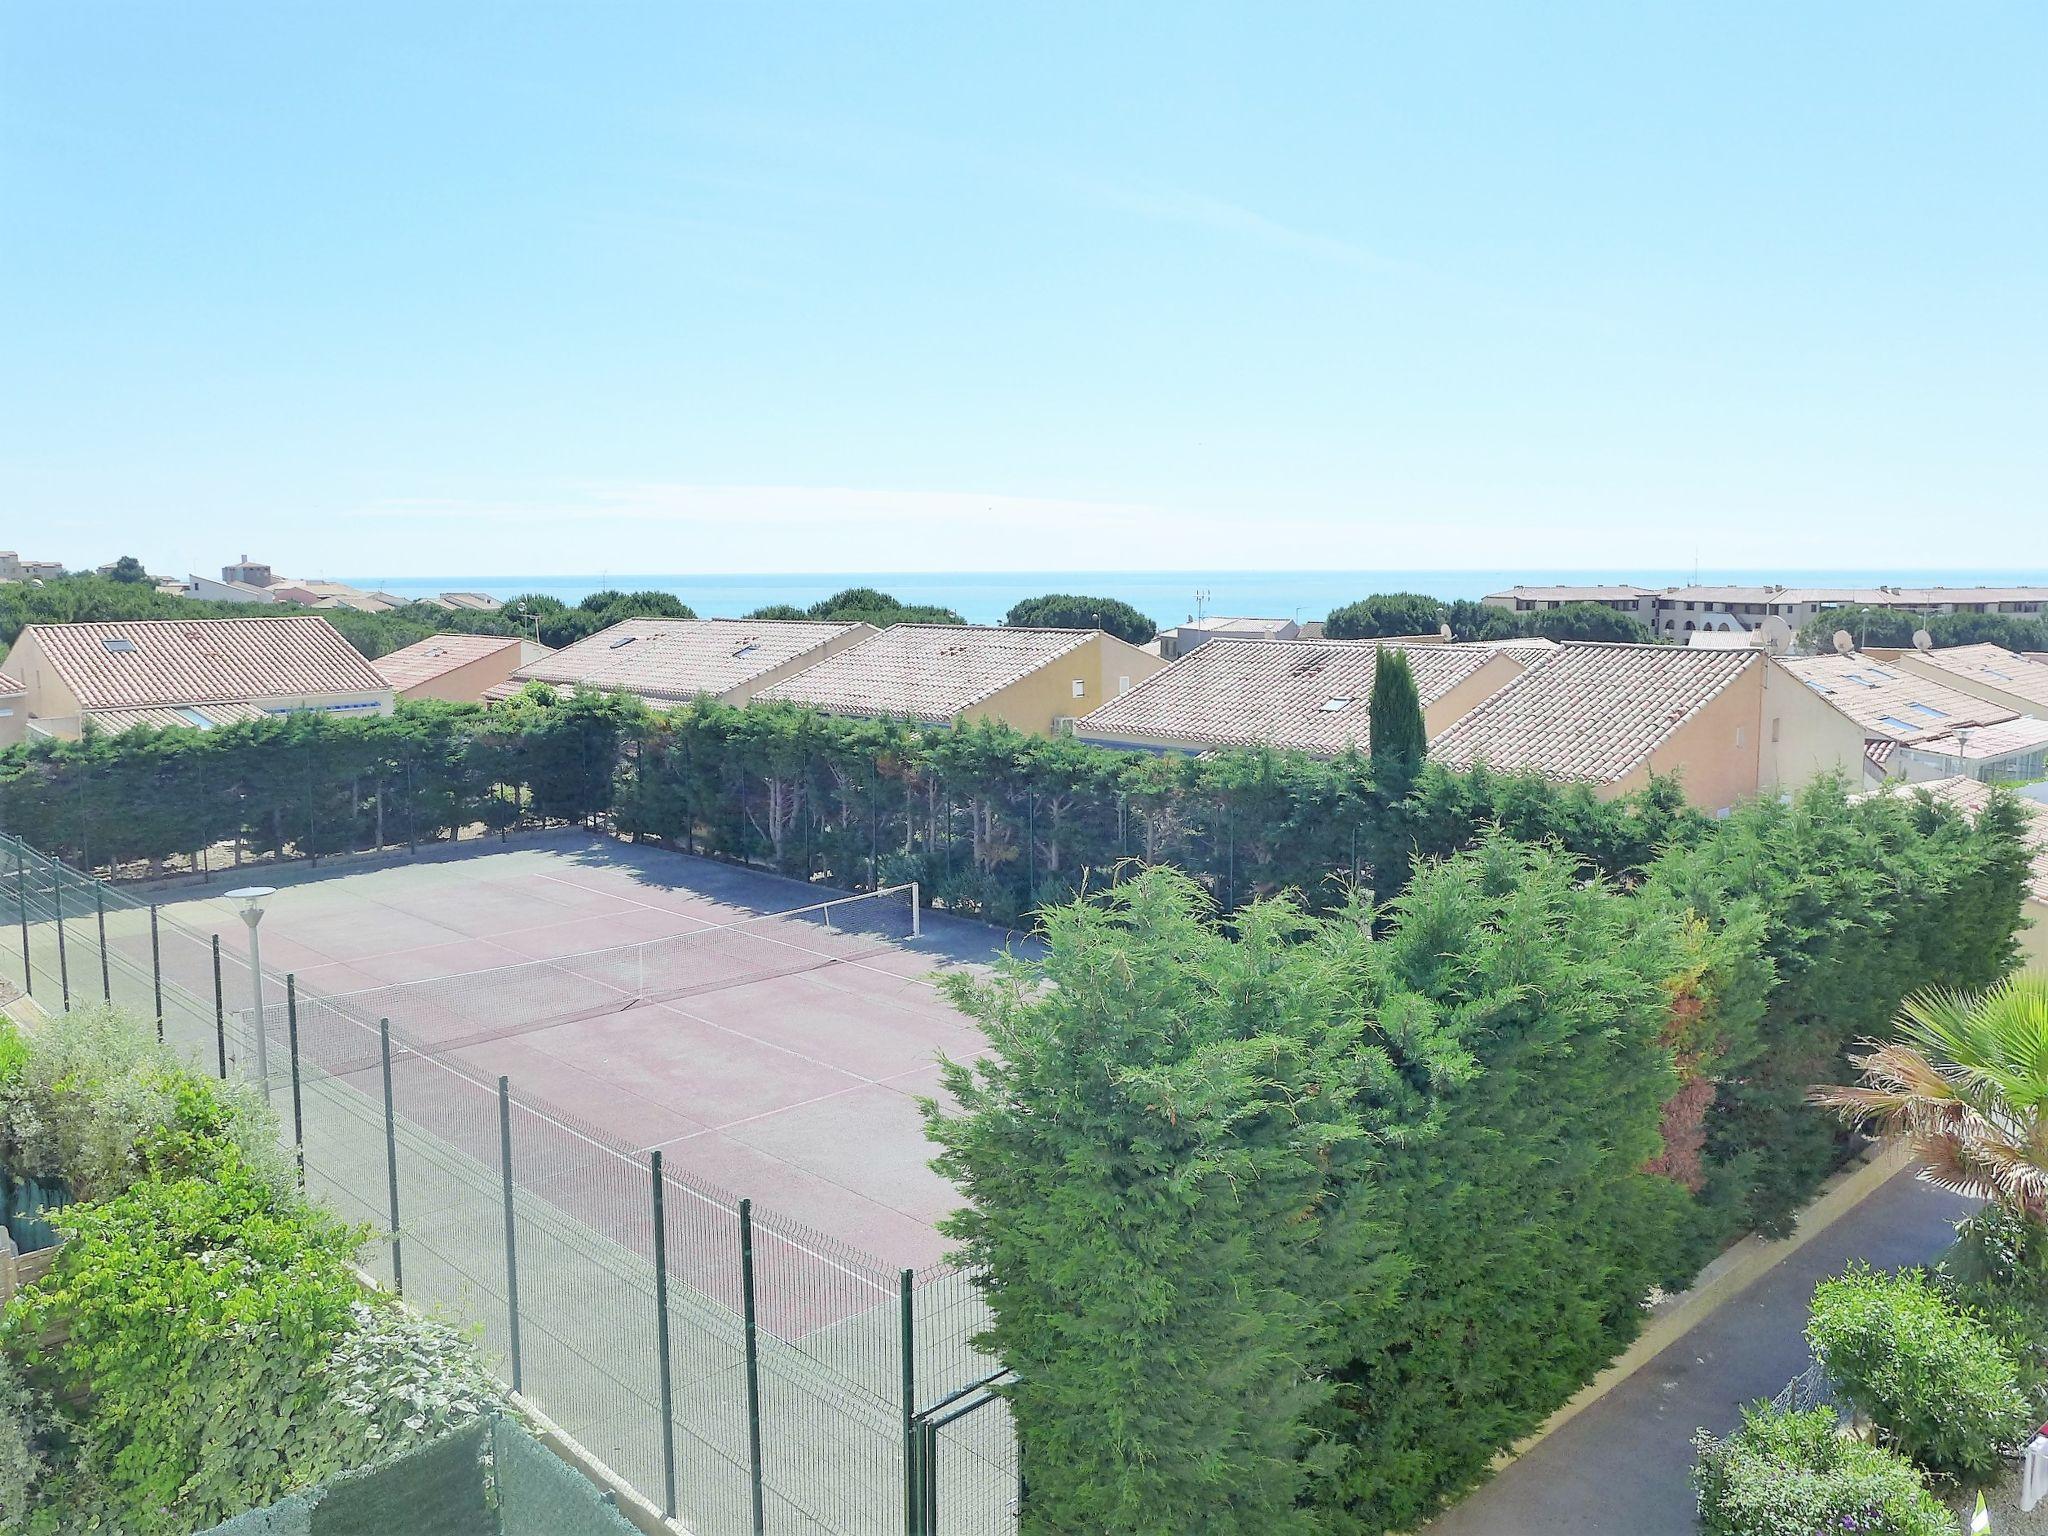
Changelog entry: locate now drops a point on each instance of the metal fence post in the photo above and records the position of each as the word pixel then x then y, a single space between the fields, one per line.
pixel 661 1342
pixel 99 907
pixel 28 971
pixel 156 973
pixel 220 1013
pixel 912 1484
pixel 63 957
pixel 511 1238
pixel 753 1362
pixel 916 915
pixel 291 1014
pixel 391 1159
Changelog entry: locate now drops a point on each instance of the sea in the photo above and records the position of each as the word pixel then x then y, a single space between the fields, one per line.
pixel 1167 597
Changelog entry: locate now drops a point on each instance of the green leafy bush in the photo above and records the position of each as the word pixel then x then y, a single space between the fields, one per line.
pixel 397 1377
pixel 22 1418
pixel 1793 1474
pixel 1935 1380
pixel 200 1309
pixel 83 1093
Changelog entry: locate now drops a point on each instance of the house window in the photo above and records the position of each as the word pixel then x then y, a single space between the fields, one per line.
pixel 1775 723
pixel 1739 733
pixel 1080 689
pixel 1123 685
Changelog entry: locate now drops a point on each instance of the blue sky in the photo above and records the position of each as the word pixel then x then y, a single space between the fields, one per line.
pixel 746 287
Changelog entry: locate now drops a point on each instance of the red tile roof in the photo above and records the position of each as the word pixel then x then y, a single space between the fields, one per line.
pixel 1591 711
pixel 671 661
pixel 930 672
pixel 438 655
pixel 201 661
pixel 1308 695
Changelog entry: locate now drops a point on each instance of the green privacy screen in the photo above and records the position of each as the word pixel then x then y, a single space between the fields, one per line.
pixel 491 1479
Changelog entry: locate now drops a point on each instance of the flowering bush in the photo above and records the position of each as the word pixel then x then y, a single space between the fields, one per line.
pixel 1792 1474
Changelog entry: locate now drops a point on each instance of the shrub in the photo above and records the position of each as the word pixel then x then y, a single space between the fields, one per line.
pixel 85 1092
pixel 21 1459
pixel 200 1309
pixel 1935 1380
pixel 397 1377
pixel 1793 1474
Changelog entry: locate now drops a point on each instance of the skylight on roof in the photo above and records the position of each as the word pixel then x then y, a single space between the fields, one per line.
pixel 1859 679
pixel 117 644
pixel 746 650
pixel 1896 723
pixel 1332 705
pixel 193 718
pixel 622 640
pixel 1928 710
pixel 2003 677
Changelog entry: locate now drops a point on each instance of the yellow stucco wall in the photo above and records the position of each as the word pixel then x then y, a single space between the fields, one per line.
pixel 1714 754
pixel 466 683
pixel 1812 736
pixel 2034 940
pixel 1033 703
pixel 49 697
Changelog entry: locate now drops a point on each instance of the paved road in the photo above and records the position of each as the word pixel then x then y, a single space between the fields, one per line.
pixel 1620 1467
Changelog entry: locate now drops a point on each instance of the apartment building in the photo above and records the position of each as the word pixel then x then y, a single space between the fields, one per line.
pixel 1677 612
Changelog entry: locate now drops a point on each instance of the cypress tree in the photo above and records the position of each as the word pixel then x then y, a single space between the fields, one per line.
pixel 1399 738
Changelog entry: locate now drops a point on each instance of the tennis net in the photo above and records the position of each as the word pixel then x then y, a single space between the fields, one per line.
pixel 446 1013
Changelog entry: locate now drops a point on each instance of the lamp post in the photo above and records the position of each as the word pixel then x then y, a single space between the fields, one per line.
pixel 251 898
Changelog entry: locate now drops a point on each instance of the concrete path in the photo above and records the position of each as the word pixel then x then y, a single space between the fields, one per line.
pixel 1621 1466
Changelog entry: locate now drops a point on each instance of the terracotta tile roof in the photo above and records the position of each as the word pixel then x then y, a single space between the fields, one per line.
pixel 1308 695
pixel 1972 795
pixel 1888 701
pixel 926 671
pixel 1586 594
pixel 10 686
pixel 671 661
pixel 1993 666
pixel 201 661
pixel 438 655
pixel 193 717
pixel 1591 711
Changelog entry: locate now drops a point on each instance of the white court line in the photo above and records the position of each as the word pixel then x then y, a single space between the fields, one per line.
pixel 762 916
pixel 432 1059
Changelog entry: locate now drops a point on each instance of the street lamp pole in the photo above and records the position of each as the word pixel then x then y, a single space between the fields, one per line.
pixel 251 898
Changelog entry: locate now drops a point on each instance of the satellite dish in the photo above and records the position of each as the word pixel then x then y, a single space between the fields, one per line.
pixel 1843 642
pixel 1922 641
pixel 1445 631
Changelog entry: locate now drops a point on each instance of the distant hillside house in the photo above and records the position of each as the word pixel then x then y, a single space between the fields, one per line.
pixel 207 590
pixel 193 672
pixel 468 602
pixel 1308 697
pixel 1730 724
pixel 460 669
pixel 668 662
pixel 246 572
pixel 1182 638
pixel 1922 726
pixel 1034 680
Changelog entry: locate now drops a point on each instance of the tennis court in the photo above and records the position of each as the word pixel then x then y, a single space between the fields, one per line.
pixel 781 1060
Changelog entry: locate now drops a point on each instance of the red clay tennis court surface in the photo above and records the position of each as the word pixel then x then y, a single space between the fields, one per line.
pixel 798 1090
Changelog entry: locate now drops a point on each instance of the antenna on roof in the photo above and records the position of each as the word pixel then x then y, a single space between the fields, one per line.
pixel 1844 642
pixel 1922 641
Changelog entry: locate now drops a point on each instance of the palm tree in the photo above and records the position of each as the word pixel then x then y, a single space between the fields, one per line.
pixel 1966 1082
